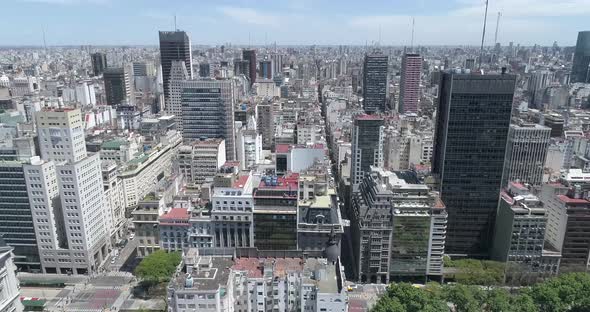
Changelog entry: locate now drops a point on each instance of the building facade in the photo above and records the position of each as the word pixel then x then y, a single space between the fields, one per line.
pixel 117 86
pixel 470 144
pixel 208 111
pixel 367 147
pixel 398 229
pixel 581 65
pixel 178 74
pixel 409 89
pixel 526 153
pixel 375 82
pixel 99 63
pixel 200 161
pixel 174 46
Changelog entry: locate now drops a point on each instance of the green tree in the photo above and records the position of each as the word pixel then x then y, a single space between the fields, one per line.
pixel 404 297
pixel 158 267
pixel 567 292
pixel 465 298
pixel 498 300
pixel 523 302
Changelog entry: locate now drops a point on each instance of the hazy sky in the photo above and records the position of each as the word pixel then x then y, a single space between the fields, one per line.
pixel 454 22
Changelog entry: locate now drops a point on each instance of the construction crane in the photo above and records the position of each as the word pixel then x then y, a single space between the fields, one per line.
pixel 497 26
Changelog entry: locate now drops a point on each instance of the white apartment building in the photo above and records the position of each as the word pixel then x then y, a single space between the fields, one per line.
pixel 249 145
pixel 67 196
pixel 232 214
pixel 310 133
pixel 61 135
pixel 200 161
pixel 178 74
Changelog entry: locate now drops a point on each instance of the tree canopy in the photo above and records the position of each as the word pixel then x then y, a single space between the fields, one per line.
pixel 158 266
pixel 566 293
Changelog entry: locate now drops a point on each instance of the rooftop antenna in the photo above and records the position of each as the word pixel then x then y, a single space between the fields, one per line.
pixel 412 42
pixel 249 40
pixel 175 28
pixel 44 41
pixel 483 35
pixel 497 26
pixel 379 42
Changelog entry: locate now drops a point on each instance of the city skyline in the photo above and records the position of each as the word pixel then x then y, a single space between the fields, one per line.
pixel 458 22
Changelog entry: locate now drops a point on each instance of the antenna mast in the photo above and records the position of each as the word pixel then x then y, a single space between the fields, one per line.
pixel 483 35
pixel 379 42
pixel 412 42
pixel 44 41
pixel 497 26
pixel 175 28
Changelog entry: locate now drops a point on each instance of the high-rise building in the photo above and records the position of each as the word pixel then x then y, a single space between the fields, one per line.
pixel 266 69
pixel 99 63
pixel 568 224
pixel 398 229
pixel 526 153
pixel 117 86
pixel 265 124
pixel 204 70
pixel 375 82
pixel 242 67
pixel 409 89
pixel 208 111
pixel 520 232
pixel 470 64
pixel 581 65
pixel 470 143
pixel 61 135
pixel 174 46
pixel 178 74
pixel 200 161
pixel 250 56
pixel 16 218
pixel 367 147
pixel 66 192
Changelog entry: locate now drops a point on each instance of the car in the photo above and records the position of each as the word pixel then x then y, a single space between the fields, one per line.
pixel 113 260
pixel 132 236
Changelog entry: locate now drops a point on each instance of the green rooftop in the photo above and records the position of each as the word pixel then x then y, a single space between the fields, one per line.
pixel 112 144
pixel 139 160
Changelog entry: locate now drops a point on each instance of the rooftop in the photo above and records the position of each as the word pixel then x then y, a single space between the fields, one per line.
pixel 241 181
pixel 207 274
pixel 569 200
pixel 254 267
pixel 287 182
pixel 176 214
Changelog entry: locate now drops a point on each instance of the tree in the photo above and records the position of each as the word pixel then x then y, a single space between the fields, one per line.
pixel 523 302
pixel 404 297
pixel 498 300
pixel 464 297
pixel 158 267
pixel 567 292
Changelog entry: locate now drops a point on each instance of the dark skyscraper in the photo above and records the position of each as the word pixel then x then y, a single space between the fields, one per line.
pixel 375 82
pixel 99 63
pixel 266 69
pixel 581 65
pixel 470 144
pixel 117 86
pixel 174 46
pixel 250 56
pixel 204 70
